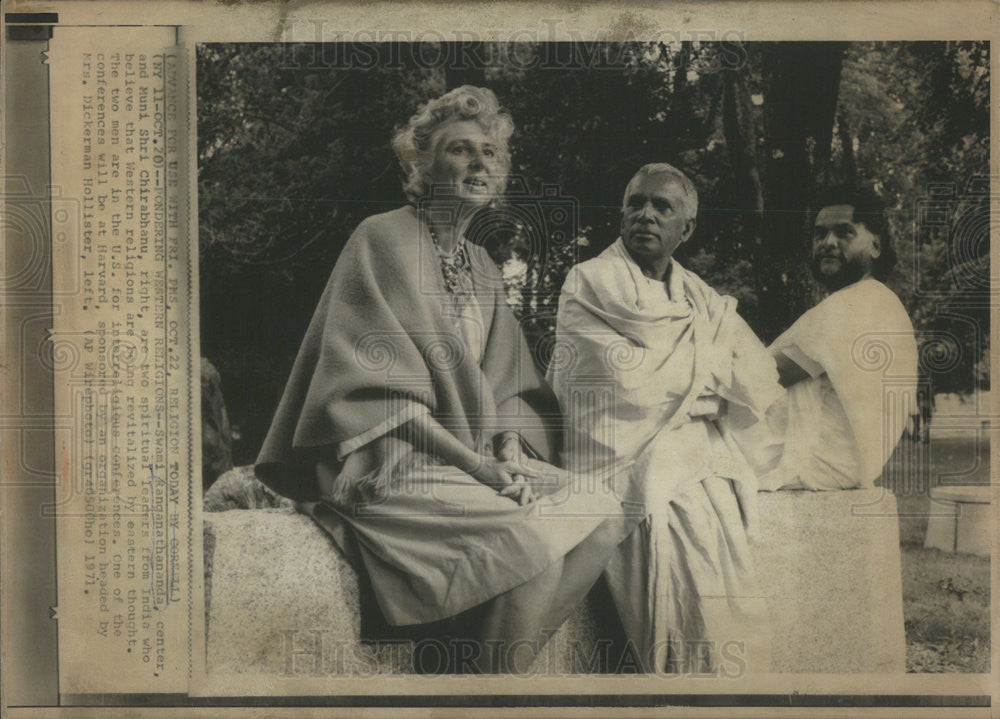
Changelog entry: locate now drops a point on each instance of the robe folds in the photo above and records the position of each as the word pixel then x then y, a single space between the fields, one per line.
pixel 663 386
pixel 387 344
pixel 838 427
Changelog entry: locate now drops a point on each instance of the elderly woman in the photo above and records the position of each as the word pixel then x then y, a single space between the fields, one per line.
pixel 412 423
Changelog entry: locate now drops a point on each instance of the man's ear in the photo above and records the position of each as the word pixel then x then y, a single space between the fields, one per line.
pixel 876 246
pixel 689 226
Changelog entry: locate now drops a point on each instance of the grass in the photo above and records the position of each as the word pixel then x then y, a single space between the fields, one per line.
pixel 946 606
pixel 946 596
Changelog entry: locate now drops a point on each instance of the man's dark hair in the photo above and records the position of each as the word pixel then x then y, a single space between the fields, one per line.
pixel 869 210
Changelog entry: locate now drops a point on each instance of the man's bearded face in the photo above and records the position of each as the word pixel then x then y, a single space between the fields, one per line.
pixel 842 249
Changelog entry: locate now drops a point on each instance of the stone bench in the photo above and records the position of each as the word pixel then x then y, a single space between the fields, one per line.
pixel 282 600
pixel 960 520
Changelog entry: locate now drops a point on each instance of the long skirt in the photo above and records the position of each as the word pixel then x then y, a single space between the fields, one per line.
pixel 684 586
pixel 441 542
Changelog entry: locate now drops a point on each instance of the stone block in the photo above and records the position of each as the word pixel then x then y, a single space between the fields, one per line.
pixel 284 600
pixel 277 587
pixel 239 488
pixel 975 529
pixel 960 519
pixel 941 525
pixel 829 564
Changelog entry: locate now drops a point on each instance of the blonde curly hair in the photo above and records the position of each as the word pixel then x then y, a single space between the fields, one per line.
pixel 415 143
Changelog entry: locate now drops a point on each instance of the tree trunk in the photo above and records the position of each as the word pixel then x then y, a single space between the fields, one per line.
pixel 681 70
pixel 849 165
pixel 741 142
pixel 801 82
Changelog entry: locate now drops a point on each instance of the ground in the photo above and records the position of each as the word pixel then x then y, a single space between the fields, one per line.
pixel 946 596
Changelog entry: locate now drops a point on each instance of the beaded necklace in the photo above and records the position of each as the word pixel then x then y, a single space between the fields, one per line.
pixel 456 268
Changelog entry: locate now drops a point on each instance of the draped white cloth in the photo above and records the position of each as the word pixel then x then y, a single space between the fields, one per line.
pixel 661 378
pixel 840 425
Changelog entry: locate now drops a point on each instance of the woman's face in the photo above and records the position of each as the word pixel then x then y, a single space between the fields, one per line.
pixel 466 164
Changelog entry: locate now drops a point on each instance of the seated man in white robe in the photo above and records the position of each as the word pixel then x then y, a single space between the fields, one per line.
pixel 654 372
pixel 849 363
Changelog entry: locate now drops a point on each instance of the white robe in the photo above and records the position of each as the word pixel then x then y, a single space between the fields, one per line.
pixel 660 385
pixel 838 428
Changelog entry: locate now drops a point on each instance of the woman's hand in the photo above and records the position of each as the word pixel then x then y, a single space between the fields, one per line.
pixel 509 447
pixel 508 477
pixel 509 451
pixel 506 472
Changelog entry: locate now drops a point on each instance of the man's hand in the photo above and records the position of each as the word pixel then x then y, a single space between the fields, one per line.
pixel 788 371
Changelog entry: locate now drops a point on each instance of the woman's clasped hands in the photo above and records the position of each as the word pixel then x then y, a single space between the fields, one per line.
pixel 508 471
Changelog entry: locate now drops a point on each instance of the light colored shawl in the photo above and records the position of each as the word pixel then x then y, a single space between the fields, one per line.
pixel 384 346
pixel 862 339
pixel 634 369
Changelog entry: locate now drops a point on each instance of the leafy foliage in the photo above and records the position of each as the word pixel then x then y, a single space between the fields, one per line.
pixel 915 117
pixel 293 154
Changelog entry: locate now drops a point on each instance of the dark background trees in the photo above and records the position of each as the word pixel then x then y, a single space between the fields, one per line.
pixel 293 153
